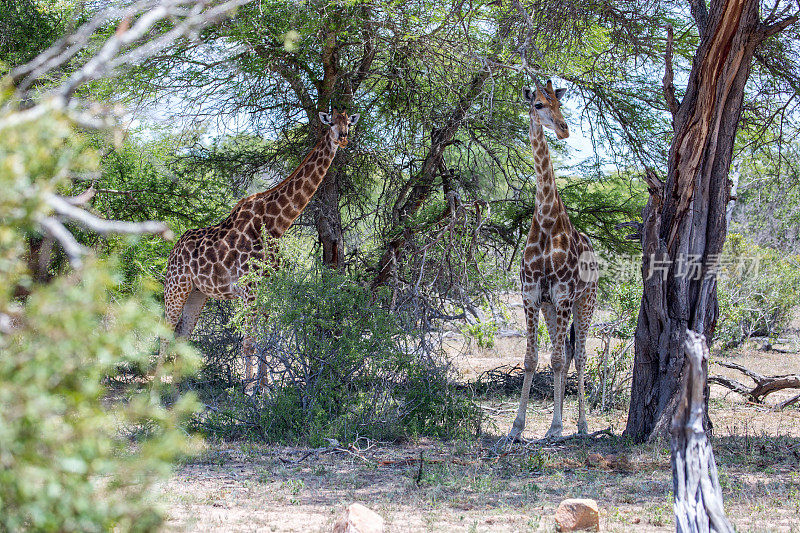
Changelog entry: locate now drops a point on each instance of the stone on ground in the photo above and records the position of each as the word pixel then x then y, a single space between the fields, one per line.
pixel 359 519
pixel 577 514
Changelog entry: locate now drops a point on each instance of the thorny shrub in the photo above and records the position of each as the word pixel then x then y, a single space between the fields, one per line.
pixel 338 366
pixel 757 288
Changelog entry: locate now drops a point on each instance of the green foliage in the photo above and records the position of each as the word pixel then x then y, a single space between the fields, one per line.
pixel 65 462
pixel 26 28
pixel 338 366
pixel 609 369
pixel 758 288
pixel 621 294
pixel 483 332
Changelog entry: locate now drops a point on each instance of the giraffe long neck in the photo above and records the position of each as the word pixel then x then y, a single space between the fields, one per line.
pixel 283 203
pixel 548 202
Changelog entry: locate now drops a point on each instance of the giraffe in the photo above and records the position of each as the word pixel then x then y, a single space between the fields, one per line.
pixel 558 273
pixel 208 262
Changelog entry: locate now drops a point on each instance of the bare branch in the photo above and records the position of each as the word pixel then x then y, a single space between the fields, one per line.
pixel 74 250
pixel 669 86
pixel 523 49
pixel 24 76
pixel 66 210
pixel 768 30
pixel 110 57
pixel 191 17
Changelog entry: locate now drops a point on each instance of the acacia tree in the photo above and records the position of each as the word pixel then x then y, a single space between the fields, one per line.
pixel 684 223
pixel 438 94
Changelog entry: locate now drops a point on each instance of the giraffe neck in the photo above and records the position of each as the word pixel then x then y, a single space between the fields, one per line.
pixel 548 202
pixel 282 204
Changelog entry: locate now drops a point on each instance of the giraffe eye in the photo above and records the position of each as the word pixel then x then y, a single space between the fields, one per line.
pixel 538 105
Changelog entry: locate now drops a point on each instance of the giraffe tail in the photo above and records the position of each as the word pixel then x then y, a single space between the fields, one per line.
pixel 569 347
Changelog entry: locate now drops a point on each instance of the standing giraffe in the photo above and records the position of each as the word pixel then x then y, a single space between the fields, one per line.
pixel 208 262
pixel 558 271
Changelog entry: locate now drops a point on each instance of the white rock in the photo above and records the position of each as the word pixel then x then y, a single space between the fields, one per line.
pixel 359 519
pixel 577 514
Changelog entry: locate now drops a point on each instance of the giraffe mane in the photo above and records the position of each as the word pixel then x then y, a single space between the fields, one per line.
pixel 284 181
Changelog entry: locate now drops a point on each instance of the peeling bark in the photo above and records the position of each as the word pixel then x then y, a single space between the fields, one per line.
pixel 684 223
pixel 695 483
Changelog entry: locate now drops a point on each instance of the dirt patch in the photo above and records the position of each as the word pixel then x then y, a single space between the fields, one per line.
pixel 471 486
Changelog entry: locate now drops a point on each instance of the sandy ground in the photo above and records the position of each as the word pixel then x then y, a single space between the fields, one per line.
pixel 467 486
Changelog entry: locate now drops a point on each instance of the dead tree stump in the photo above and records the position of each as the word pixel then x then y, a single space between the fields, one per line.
pixel 698 497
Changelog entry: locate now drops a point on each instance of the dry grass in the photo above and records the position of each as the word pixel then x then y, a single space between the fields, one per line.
pixel 465 486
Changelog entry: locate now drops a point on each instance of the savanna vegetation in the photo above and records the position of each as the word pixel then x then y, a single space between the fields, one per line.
pixel 390 329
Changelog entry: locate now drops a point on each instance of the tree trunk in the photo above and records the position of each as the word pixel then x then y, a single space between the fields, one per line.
pixel 695 483
pixel 328 220
pixel 337 88
pixel 684 220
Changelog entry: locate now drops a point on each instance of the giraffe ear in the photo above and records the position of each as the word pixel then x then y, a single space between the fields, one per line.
pixel 354 118
pixel 325 118
pixel 528 94
pixel 560 92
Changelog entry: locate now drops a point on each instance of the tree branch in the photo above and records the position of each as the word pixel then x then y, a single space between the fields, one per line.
pixel 65 209
pixel 191 17
pixel 669 86
pixel 700 14
pixel 768 30
pixel 74 250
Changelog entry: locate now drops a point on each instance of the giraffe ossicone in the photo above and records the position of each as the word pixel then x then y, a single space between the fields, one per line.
pixel 558 273
pixel 208 262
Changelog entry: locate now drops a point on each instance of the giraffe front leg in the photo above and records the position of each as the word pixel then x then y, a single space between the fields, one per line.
pixel 557 361
pixel 531 362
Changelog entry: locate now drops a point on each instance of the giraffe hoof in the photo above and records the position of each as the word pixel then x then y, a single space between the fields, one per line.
pixel 505 443
pixel 515 436
pixel 553 433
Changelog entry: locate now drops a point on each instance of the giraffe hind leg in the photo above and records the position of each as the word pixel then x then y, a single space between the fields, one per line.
pixel 582 321
pixel 190 314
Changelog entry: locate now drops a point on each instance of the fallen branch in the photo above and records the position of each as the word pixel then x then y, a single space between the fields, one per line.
pixel 765 385
pixel 416 460
pixel 787 403
pixel 576 436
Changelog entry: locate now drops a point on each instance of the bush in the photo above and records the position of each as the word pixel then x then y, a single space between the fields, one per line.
pixel 339 367
pixel 609 381
pixel 65 461
pixel 758 288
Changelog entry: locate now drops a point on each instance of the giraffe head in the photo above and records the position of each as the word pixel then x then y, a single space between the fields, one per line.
pixel 340 125
pixel 546 103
